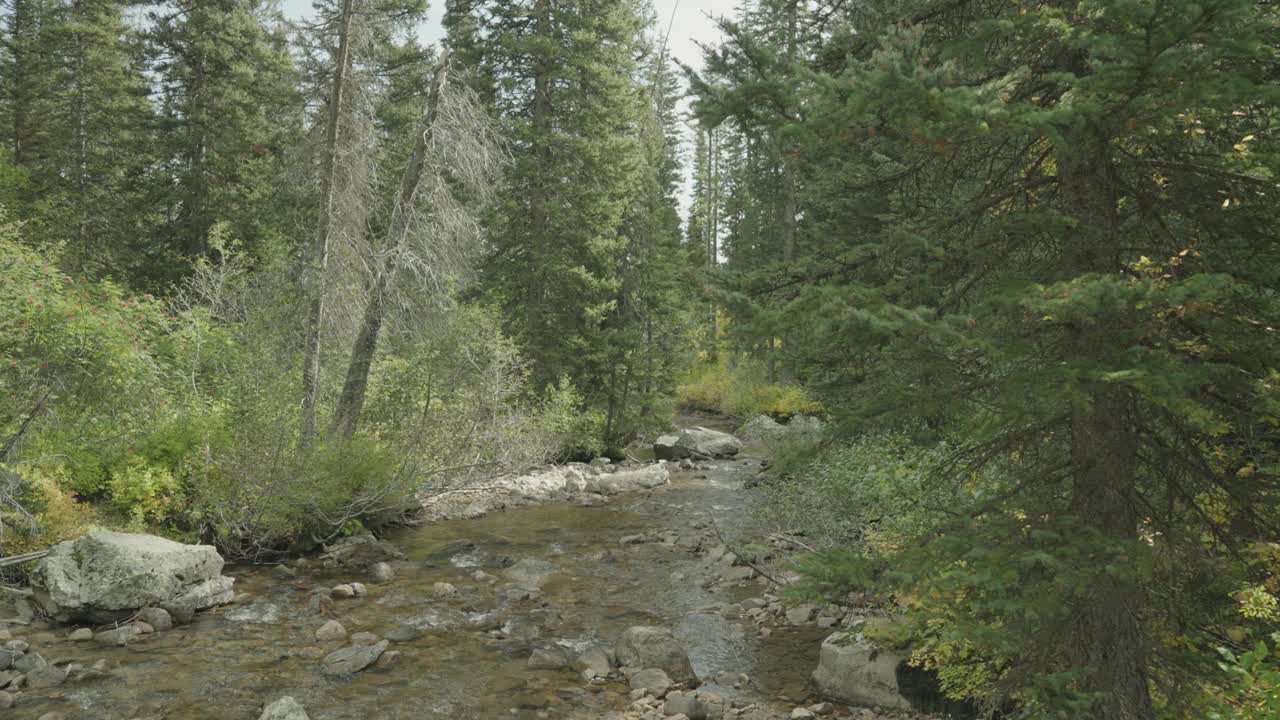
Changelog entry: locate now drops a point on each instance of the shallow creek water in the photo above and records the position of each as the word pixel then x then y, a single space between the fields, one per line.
pixel 231 661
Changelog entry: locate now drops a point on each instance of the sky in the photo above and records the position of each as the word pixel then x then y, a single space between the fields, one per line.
pixel 690 22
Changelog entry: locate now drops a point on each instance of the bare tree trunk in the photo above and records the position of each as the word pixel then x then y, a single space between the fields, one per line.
pixel 314 273
pixel 1104 637
pixel 351 402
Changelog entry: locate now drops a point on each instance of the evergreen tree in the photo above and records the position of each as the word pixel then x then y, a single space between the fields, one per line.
pixel 1044 231
pixel 229 109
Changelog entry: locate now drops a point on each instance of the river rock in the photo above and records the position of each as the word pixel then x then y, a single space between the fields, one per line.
pixel 343 591
pixel 594 661
pixel 80 634
pixel 353 659
pixel 551 658
pixel 382 572
pixel 696 442
pixel 106 575
pixel 858 672
pixel 530 573
pixel 655 647
pixel 650 680
pixel 763 428
pixel 158 618
pixel 685 703
pixel 46 676
pixel 361 551
pixel 443 589
pixel 331 631
pixel 122 635
pixel 286 708
pixel 28 662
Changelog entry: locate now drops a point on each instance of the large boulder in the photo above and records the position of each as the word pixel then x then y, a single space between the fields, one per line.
pixel 856 671
pixel 107 575
pixel 696 442
pixel 655 647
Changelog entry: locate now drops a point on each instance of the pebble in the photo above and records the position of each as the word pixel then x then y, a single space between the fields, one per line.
pixel 343 591
pixel 80 634
pixel 443 589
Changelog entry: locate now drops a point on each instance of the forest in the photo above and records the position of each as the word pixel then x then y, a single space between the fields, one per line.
pixel 266 282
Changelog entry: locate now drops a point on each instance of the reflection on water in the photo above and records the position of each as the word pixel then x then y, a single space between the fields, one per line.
pixel 230 662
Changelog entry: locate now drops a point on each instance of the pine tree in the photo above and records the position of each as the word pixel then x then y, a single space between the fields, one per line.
pixel 229 108
pixel 1045 232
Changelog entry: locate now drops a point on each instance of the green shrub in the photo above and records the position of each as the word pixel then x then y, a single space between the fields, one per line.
pixel 577 432
pixel 742 391
pixel 146 494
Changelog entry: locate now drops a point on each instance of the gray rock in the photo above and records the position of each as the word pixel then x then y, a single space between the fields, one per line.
pixel 106 573
pixel 801 614
pixel 363 638
pixel 157 618
pixel 650 680
pixel 29 662
pixel 530 573
pixel 685 703
pixel 696 442
pixel 361 551
pixel 118 636
pixel 352 659
pixel 382 572
pixel 405 633
pixel 594 660
pixel 763 428
pixel 286 708
pixel 80 634
pixel 46 677
pixel 857 672
pixel 551 658
pixel 202 595
pixel 330 631
pixel 655 647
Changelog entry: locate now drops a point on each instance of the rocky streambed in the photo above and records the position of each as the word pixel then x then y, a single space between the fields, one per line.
pixel 527 613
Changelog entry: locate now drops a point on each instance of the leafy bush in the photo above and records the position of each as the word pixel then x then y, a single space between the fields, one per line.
pixel 743 391
pixel 146 494
pixel 578 433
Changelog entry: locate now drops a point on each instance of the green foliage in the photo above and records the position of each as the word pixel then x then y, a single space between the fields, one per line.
pixel 578 433
pixel 743 391
pixel 1253 689
pixel 147 495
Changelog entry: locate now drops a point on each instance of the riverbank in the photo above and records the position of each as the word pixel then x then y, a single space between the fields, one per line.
pixel 649 558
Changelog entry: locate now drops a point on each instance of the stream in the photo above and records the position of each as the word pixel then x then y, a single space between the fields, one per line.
pixel 229 662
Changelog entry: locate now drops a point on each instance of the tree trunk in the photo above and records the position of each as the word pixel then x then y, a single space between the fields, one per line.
pixel 314 273
pixel 351 402
pixel 1104 637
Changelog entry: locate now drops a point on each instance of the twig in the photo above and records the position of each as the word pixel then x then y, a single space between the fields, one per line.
pixel 742 557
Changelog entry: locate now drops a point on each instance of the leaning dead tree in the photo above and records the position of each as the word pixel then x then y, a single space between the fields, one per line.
pixel 315 271
pixel 433 230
